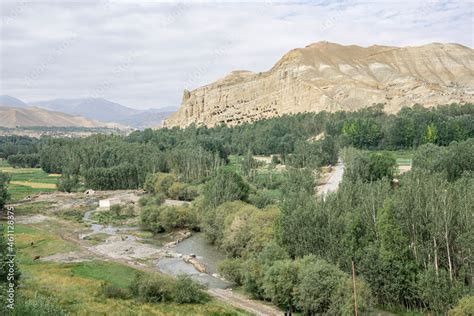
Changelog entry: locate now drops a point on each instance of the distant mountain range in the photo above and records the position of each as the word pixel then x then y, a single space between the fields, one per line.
pixel 6 100
pixel 28 117
pixel 97 109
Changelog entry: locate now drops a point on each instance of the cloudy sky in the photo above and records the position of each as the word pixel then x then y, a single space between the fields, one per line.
pixel 144 53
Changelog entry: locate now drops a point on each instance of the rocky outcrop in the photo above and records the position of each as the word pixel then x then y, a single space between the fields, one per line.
pixel 330 77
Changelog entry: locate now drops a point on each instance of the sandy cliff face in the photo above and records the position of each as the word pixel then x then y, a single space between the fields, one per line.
pixel 332 77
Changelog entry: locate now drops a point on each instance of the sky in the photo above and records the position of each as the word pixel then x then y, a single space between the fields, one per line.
pixel 143 54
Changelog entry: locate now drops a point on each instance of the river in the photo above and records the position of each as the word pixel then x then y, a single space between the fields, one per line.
pixel 174 264
pixel 205 253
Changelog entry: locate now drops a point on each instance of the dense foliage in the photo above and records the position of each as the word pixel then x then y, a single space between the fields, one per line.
pixel 195 153
pixel 4 195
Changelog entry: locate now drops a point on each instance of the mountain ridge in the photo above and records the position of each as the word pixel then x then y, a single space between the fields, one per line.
pixel 97 109
pixel 12 117
pixel 326 76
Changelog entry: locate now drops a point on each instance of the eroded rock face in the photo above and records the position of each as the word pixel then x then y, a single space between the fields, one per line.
pixel 332 77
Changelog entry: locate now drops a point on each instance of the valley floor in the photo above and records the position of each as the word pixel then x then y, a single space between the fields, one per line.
pixel 73 263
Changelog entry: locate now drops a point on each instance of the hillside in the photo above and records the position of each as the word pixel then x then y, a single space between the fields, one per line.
pixel 6 100
pixel 330 77
pixel 93 108
pixel 106 111
pixel 26 117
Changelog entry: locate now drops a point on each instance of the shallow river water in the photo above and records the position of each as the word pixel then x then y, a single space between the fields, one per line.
pixel 205 253
pixel 196 244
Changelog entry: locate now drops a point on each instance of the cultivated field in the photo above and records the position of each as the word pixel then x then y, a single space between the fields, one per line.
pixel 28 181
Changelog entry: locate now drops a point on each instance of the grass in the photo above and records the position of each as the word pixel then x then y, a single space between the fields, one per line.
pixel 114 273
pixel 234 163
pixel 45 243
pixel 33 208
pixel 77 286
pixel 96 239
pixel 403 157
pixel 28 181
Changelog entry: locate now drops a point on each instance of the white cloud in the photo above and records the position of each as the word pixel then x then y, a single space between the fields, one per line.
pixel 144 54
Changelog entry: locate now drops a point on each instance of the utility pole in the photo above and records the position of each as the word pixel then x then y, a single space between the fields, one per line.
pixel 354 285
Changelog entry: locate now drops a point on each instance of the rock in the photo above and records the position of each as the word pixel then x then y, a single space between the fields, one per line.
pixel 199 266
pixel 330 77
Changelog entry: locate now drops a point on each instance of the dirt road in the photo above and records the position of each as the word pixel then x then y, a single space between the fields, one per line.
pixel 244 303
pixel 334 180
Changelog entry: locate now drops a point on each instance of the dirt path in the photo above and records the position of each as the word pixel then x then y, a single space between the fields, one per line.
pixel 244 303
pixel 333 182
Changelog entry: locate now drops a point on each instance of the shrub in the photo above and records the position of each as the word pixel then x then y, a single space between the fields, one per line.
pixel 436 290
pixel 112 291
pixel 465 307
pixel 72 214
pixel 231 269
pixel 155 289
pixel 159 182
pixel 342 301
pixel 263 198
pixel 280 283
pixel 183 192
pixel 116 209
pixel 166 218
pixel 187 291
pixel 318 282
pixel 37 306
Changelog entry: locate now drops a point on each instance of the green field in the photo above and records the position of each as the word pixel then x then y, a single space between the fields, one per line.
pixel 28 181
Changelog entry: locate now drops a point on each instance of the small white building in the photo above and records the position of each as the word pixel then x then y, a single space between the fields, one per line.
pixel 108 203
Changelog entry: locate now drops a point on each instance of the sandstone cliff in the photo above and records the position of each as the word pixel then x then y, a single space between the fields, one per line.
pixel 332 77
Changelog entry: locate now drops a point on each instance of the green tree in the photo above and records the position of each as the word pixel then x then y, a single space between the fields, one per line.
pixel 225 186
pixel 4 195
pixel 464 307
pixel 280 283
pixel 431 134
pixel 318 283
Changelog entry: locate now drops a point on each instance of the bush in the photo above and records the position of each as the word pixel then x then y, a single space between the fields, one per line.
pixel 160 288
pixel 465 307
pixel 37 306
pixel 263 198
pixel 159 182
pixel 4 195
pixel 318 281
pixel 166 218
pixel 280 283
pixel 72 214
pixel 112 291
pixel 183 192
pixel 342 301
pixel 231 269
pixel 436 291
pixel 187 291
pixel 155 289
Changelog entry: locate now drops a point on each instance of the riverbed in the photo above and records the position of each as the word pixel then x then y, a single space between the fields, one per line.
pixel 168 259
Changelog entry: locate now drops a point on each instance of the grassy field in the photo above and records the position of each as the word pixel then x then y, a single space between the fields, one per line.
pixel 28 181
pixel 76 286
